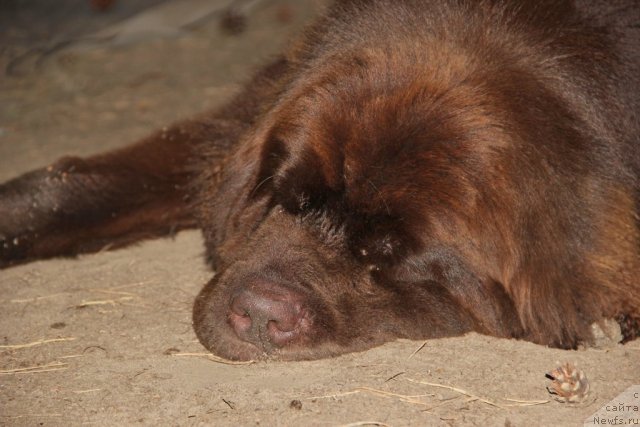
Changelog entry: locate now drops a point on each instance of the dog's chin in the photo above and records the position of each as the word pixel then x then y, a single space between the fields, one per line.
pixel 214 332
pixel 218 337
pixel 231 348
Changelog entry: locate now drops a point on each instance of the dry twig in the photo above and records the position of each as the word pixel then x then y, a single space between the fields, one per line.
pixel 366 423
pixel 458 390
pixel 53 366
pixel 87 391
pixel 413 399
pixel 213 358
pixel 84 304
pixel 417 350
pixel 482 399
pixel 402 397
pixel 112 292
pixel 526 402
pixel 36 343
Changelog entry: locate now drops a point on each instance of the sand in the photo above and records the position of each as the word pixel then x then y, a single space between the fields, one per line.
pixel 106 339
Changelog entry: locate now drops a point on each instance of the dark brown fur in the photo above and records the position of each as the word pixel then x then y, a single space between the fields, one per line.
pixel 410 169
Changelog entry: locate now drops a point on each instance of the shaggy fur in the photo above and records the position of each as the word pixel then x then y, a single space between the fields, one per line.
pixel 409 169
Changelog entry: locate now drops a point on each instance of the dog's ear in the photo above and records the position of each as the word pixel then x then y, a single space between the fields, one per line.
pixel 233 203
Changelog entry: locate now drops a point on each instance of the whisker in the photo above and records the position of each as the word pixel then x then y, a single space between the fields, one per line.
pixel 257 187
pixel 381 195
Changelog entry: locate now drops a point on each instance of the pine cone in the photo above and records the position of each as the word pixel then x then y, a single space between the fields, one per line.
pixel 569 384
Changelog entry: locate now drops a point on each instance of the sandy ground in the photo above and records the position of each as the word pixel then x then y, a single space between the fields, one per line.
pixel 124 351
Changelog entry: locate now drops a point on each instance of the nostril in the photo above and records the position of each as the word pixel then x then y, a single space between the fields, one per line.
pixel 241 323
pixel 239 317
pixel 284 316
pixel 281 336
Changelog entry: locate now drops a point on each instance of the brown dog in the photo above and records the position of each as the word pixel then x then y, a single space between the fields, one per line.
pixel 410 169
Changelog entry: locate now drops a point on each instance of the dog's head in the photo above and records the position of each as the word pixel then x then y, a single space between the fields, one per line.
pixel 373 203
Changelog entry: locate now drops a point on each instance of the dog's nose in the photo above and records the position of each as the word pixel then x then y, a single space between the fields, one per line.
pixel 268 315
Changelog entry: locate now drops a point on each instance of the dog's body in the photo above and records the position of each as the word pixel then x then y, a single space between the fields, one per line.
pixel 410 169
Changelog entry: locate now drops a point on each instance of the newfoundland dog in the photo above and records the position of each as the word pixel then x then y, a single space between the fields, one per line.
pixel 409 169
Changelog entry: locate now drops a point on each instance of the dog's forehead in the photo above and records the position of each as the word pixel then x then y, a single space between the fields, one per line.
pixel 375 160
